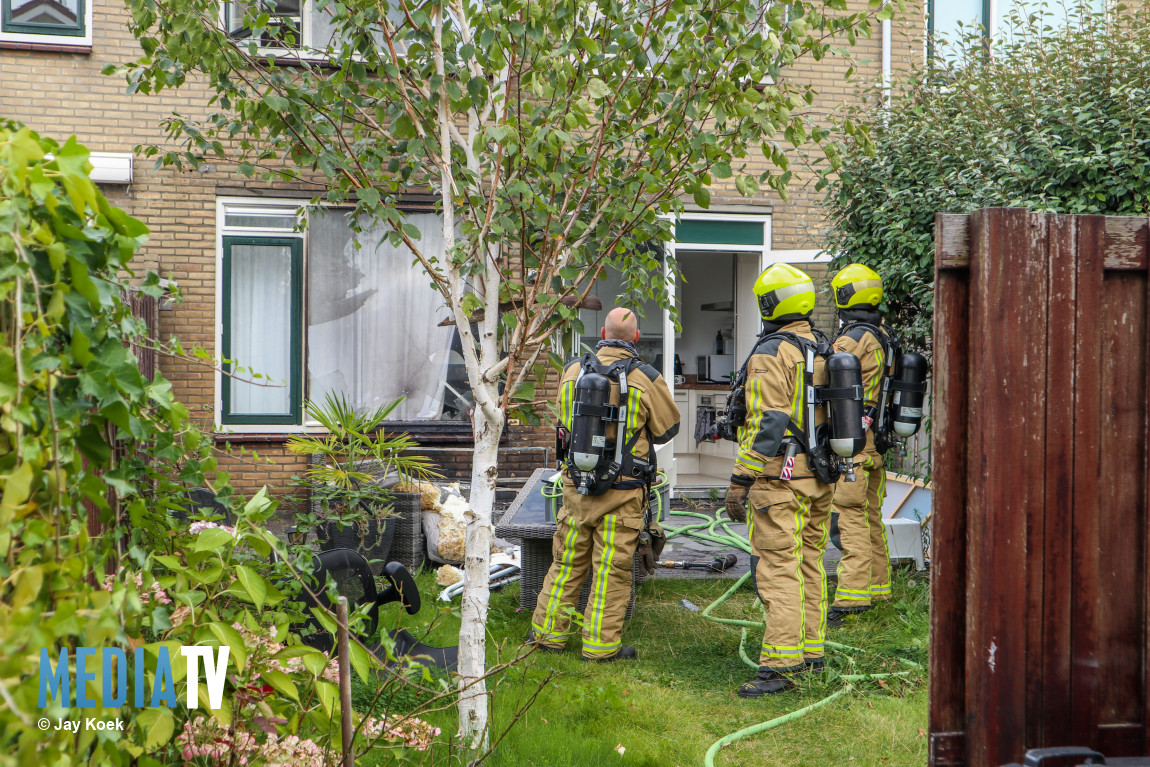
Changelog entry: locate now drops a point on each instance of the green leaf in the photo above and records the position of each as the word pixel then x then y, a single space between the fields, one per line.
pixel 28 583
pixel 230 637
pixel 281 683
pixel 328 696
pixel 361 661
pixel 254 584
pixel 212 539
pixel 597 89
pixel 158 725
pixel 702 197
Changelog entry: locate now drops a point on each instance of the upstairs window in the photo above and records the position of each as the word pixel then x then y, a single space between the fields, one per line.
pixel 949 20
pixel 293 25
pixel 64 22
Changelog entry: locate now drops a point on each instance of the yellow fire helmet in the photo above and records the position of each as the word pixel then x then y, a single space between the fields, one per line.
pixel 856 285
pixel 784 294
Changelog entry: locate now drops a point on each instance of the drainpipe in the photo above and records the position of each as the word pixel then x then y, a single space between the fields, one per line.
pixel 886 63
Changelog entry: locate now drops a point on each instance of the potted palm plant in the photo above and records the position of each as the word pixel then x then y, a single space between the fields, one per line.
pixel 351 508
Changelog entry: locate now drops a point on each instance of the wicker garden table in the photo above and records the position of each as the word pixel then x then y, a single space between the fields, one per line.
pixel 526 521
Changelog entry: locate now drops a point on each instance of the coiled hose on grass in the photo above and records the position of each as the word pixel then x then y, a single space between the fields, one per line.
pixel 729 538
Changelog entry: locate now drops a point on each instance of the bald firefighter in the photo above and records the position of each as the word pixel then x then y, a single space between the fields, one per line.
pixel 790 505
pixel 606 397
pixel 864 572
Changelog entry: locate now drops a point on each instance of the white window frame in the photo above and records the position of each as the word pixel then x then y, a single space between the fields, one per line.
pixel 305 51
pixel 74 41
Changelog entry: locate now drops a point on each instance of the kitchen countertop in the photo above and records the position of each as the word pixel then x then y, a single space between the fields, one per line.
pixel 720 387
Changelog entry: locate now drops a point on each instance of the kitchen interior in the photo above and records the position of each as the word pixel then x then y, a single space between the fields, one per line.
pixel 719 323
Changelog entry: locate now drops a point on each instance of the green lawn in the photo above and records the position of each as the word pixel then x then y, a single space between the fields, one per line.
pixel 667 708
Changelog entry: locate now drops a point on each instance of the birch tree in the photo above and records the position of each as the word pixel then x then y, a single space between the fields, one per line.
pixel 559 136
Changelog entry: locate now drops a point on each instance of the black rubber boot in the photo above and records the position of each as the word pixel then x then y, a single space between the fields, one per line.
pixel 532 640
pixel 836 616
pixel 815 665
pixel 623 653
pixel 768 682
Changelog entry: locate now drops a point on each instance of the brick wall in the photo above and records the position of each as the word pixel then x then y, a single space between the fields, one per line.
pixel 60 94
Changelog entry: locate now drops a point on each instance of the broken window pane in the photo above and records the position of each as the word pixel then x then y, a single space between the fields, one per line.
pixel 376 327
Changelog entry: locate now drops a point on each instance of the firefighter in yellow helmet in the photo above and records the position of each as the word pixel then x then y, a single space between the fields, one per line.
pixel 789 507
pixel 601 521
pixel 864 572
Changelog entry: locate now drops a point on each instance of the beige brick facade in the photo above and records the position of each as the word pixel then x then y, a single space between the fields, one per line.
pixel 60 92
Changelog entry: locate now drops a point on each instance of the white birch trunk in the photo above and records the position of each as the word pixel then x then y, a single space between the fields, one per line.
pixel 474 700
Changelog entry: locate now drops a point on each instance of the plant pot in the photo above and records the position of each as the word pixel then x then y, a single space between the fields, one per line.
pixel 370 537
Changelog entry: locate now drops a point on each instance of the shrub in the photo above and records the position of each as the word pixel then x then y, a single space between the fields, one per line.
pixel 1053 120
pixel 93 459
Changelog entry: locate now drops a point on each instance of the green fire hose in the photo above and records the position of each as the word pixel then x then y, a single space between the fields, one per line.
pixel 705 530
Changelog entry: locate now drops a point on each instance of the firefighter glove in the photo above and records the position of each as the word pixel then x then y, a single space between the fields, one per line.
pixel 646 554
pixel 737 499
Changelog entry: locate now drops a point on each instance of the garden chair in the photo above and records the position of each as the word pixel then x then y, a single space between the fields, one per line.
pixel 353 579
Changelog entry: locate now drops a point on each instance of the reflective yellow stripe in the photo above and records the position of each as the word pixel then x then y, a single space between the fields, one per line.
pixel 632 412
pixel 824 595
pixel 799 570
pixel 600 648
pixel 756 412
pixel 542 633
pixel 749 460
pixel 872 390
pixel 566 404
pixel 600 599
pixel 563 577
pixel 797 400
pixel 881 493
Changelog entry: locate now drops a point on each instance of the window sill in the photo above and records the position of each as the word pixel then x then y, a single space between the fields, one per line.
pixel 13 45
pixel 433 432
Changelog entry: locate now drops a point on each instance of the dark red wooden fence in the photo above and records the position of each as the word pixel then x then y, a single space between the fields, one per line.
pixel 1039 593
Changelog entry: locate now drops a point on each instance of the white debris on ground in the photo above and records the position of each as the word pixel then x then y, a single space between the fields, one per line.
pixel 448 575
pixel 428 492
pixel 452 525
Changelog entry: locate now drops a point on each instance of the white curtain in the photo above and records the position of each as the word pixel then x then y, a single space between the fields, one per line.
pixel 373 321
pixel 260 308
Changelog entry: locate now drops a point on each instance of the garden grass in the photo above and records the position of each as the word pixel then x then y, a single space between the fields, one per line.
pixel 667 708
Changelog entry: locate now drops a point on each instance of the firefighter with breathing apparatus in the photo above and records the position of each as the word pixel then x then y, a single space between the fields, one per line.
pixel 894 385
pixel 613 409
pixel 796 412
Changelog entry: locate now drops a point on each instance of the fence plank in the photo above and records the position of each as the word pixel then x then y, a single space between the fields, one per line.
pixel 951 240
pixel 1121 521
pixel 1005 473
pixel 1058 583
pixel 1125 243
pixel 1085 555
pixel 948 518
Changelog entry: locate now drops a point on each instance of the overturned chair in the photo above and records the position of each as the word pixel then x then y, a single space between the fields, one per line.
pixel 353 579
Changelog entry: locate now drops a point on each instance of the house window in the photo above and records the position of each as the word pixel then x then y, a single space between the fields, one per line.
pixel 262 298
pixel 376 329
pixel 949 20
pixel 372 328
pixel 51 21
pixel 293 25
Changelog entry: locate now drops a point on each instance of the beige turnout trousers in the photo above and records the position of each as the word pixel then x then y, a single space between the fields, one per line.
pixel 864 572
pixel 594 535
pixel 789 529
